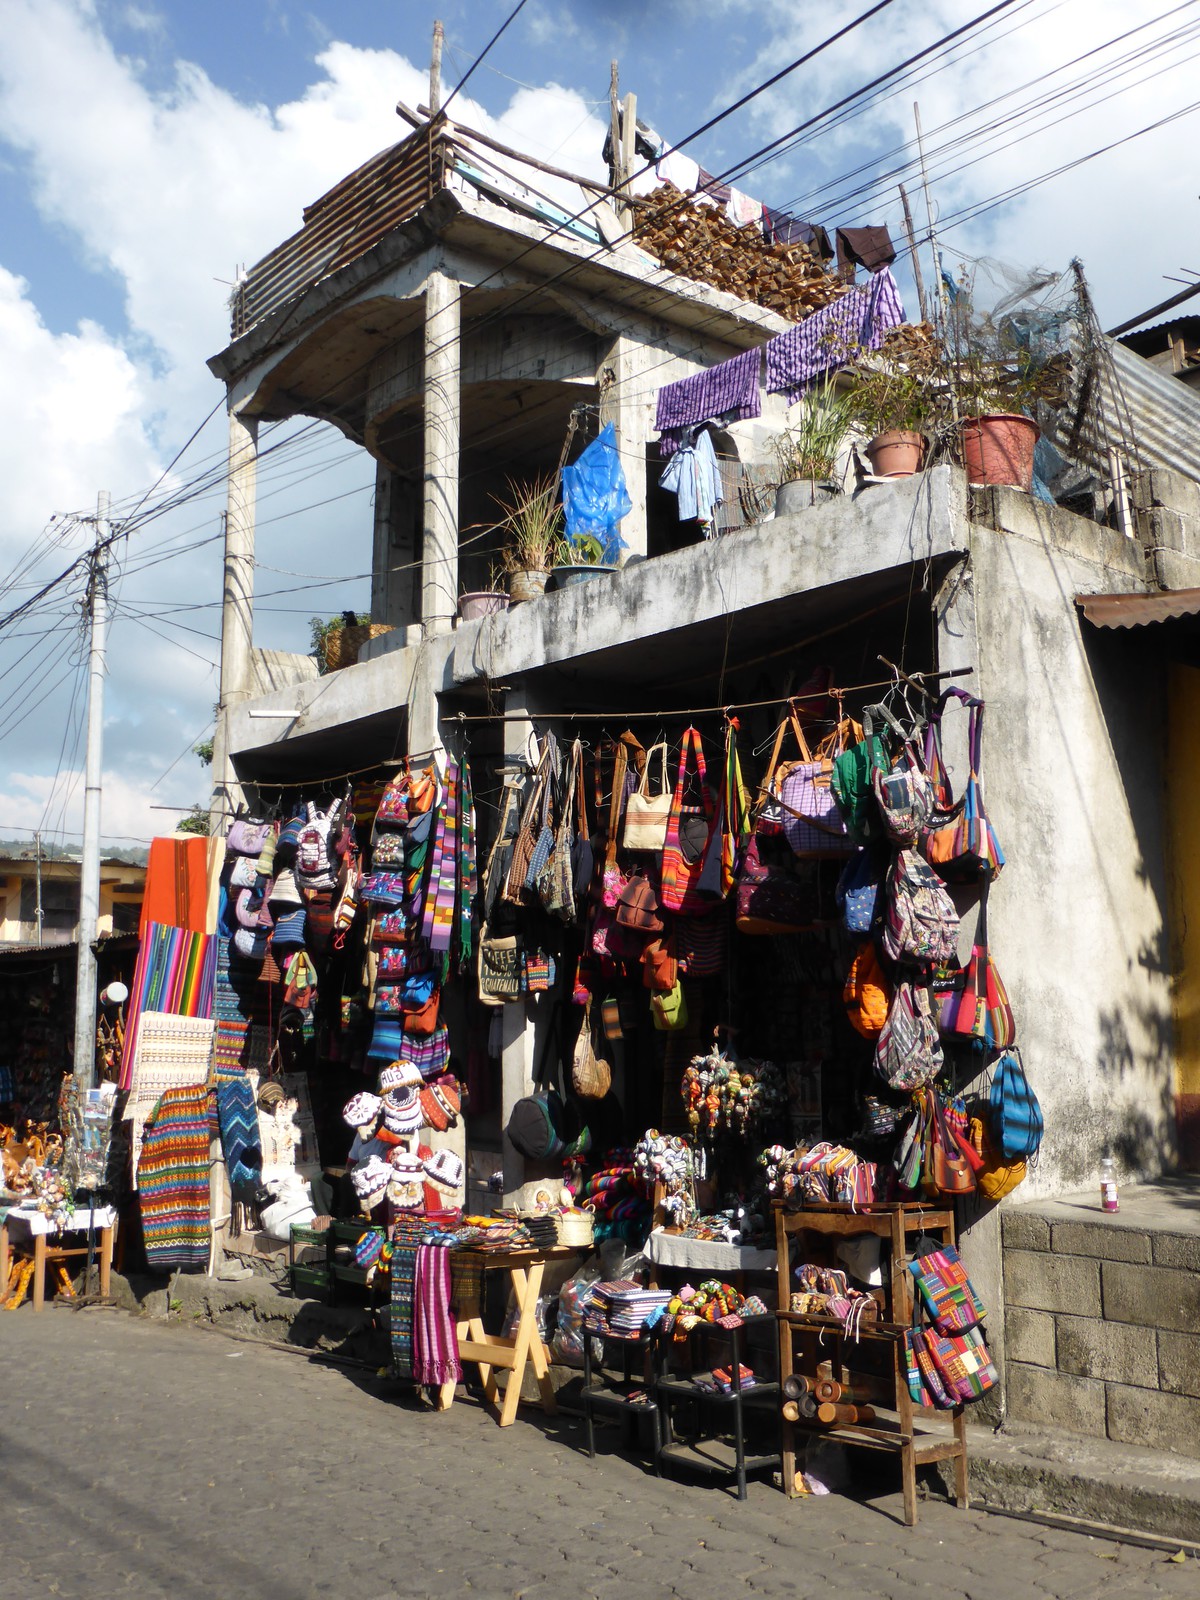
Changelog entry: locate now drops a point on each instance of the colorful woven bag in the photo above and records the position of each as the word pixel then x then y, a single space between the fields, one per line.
pixel 690 830
pixel 812 822
pixel 947 1291
pixel 959 839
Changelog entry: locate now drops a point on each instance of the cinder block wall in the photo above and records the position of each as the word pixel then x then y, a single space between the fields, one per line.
pixel 1102 1328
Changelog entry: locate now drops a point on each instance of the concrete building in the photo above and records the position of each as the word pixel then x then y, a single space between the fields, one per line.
pixel 121 886
pixel 450 329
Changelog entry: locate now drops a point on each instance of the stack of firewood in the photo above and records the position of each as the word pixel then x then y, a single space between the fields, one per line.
pixel 698 241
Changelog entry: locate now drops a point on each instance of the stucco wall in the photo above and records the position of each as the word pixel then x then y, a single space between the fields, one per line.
pixel 1074 779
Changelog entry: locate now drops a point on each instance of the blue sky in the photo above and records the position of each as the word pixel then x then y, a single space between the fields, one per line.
pixel 147 149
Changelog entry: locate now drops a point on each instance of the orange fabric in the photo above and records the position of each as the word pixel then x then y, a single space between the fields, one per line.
pixel 177 884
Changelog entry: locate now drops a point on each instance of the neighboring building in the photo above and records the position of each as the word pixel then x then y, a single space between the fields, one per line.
pixel 1172 346
pixel 451 331
pixel 23 877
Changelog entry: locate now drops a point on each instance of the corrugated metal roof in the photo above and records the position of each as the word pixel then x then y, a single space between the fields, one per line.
pixel 1136 397
pixel 1137 610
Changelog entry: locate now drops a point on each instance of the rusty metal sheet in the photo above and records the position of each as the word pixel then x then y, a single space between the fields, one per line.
pixel 1138 610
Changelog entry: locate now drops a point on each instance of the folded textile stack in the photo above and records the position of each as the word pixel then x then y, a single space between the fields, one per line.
pixel 620 1201
pixel 622 1307
pixel 542 1228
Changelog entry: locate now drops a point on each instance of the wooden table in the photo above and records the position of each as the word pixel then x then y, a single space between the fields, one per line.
pixel 41 1228
pixel 511 1353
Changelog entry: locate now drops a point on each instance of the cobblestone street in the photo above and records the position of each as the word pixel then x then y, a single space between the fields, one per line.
pixel 138 1458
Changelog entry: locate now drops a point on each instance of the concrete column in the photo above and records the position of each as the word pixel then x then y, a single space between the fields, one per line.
pixel 395 574
pixel 627 395
pixel 439 575
pixel 237 610
pixel 518 1058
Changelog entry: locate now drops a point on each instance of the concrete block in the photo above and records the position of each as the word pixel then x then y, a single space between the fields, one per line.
pixel 1179 1363
pixel 1029 1336
pixel 1117 1351
pixel 1149 1417
pixel 1024 1230
pixel 1153 1297
pixel 1052 1283
pixel 1055 1399
pixel 1160 486
pixel 1177 1250
pixel 1097 1239
pixel 1173 570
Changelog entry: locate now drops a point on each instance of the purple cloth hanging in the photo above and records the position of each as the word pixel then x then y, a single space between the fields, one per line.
pixel 730 389
pixel 828 339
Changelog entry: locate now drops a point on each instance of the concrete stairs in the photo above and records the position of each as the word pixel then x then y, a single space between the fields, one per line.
pixel 1102 1316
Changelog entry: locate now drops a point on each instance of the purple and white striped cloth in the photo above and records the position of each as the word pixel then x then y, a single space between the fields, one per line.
pixel 828 339
pixel 730 390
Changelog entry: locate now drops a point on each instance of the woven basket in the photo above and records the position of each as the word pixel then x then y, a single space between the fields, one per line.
pixel 577 1228
pixel 343 645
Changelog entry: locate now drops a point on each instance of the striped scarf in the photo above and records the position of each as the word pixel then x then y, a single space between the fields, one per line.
pixel 173 1180
pixel 440 897
pixel 435 1338
pixel 468 876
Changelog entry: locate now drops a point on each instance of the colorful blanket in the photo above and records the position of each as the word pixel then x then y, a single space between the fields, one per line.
pixel 173 1180
pixel 435 1339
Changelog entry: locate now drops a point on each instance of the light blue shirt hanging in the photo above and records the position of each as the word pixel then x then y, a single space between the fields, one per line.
pixel 693 475
pixel 595 495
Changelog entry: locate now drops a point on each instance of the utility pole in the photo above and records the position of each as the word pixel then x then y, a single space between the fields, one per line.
pixel 913 252
pixel 89 877
pixel 435 71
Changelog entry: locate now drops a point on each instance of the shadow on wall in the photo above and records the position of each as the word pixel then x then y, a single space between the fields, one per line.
pixel 1137 1039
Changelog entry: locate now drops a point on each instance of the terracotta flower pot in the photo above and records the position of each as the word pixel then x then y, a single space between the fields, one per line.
pixel 896 453
pixel 481 603
pixel 526 585
pixel 999 449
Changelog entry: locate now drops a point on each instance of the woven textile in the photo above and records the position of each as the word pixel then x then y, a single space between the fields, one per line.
pixel 468 869
pixel 947 1291
pixel 438 919
pixel 435 1340
pixel 172 1179
pixel 406 1242
pixel 175 973
pixel 233 1007
pixel 829 338
pixel 172 1053
pixel 731 388
pixel 466 1284
pixel 237 1117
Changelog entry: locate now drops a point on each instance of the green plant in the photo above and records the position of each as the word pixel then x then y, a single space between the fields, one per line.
pixel 196 821
pixel 531 524
pixel 904 385
pixel 581 550
pixel 808 447
pixel 321 628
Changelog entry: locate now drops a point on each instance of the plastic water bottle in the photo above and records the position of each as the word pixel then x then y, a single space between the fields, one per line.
pixel 1108 1185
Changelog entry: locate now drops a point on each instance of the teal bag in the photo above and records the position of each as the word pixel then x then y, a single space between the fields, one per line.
pixel 1016 1123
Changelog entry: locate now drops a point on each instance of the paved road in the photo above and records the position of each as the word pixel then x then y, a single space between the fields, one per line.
pixel 144 1459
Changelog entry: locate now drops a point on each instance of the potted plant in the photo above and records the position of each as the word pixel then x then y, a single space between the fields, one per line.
pixel 475 603
pixel 581 557
pixel 336 641
pixel 898 394
pixel 532 527
pixel 807 450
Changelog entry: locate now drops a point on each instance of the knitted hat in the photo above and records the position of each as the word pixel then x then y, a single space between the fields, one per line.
pixel 266 858
pixel 399 1075
pixel 433 1113
pixel 285 892
pixel 370 1182
pixel 289 838
pixel 401 1111
pixel 269 1094
pixel 446 1093
pixel 363 1111
pixel 445 1169
pixel 406 1165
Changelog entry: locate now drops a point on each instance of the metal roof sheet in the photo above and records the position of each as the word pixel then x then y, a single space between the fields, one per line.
pixel 1138 610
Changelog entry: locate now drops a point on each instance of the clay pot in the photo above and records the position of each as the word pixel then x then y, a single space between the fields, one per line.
pixel 896 453
pixel 999 449
pixel 526 585
pixel 481 603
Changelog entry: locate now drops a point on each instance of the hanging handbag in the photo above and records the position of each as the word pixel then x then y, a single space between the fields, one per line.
pixel 647 813
pixel 909 1054
pixel 500 966
pixel 420 1014
pixel 812 823
pixel 946 1174
pixel 669 1011
pixel 980 1008
pixel 246 837
pixel 958 839
pixel 387 851
pixel 556 884
pixel 613 878
pixel 735 807
pixel 690 830
pixel 852 784
pixel 393 802
pixel 543 1125
pixel 659 966
pixel 857 892
pixel 772 900
pixel 920 928
pixel 244 872
pixel 1015 1117
pixel 701 944
pixel 963 1363
pixel 637 909
pixel 999 1175
pixel 903 791
pixel 867 994
pixel 591 1075
pixel 946 1290
pixel 429 1053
